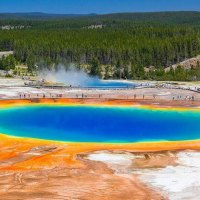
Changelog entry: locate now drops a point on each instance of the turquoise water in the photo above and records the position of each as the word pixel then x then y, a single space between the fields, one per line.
pixel 99 124
pixel 96 83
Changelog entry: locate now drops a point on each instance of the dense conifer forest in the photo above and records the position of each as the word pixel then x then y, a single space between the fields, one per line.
pixel 111 46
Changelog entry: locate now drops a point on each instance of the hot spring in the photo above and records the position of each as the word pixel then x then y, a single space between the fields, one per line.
pixel 97 83
pixel 99 124
pixel 79 78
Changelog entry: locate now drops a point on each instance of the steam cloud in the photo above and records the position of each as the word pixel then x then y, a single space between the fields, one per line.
pixel 71 76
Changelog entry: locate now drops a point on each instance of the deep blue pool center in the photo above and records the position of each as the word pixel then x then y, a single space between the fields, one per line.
pixel 99 124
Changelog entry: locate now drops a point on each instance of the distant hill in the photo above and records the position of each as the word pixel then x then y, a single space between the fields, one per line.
pixel 169 17
pixel 38 16
pixel 180 17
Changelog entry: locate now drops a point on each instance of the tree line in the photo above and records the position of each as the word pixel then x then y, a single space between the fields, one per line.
pixel 120 49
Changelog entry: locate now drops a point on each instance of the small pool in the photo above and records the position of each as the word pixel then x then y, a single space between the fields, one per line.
pixel 96 83
pixel 99 124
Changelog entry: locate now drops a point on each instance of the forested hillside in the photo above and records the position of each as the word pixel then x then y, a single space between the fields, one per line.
pixel 111 46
